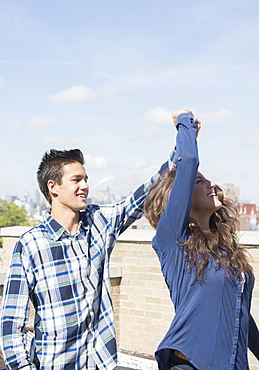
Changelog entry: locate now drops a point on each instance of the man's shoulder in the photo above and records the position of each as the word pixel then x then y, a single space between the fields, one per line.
pixel 34 232
pixel 29 240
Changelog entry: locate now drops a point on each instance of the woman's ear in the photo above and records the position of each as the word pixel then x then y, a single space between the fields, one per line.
pixel 53 188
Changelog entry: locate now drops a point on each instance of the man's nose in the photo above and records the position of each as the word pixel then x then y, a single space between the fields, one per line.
pixel 83 184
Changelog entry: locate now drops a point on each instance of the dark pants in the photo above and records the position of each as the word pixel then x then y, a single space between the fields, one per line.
pixel 178 363
pixel 182 367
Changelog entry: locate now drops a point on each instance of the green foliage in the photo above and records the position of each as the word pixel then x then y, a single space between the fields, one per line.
pixel 12 215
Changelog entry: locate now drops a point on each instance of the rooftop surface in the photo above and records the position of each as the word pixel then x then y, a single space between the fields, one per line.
pixel 128 362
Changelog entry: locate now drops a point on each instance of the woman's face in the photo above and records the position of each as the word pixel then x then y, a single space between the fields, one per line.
pixel 204 200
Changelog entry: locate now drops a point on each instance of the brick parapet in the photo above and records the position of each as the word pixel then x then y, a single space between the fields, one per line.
pixel 146 310
pixel 143 310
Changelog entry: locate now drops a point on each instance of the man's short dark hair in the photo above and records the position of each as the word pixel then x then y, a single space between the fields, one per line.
pixel 51 167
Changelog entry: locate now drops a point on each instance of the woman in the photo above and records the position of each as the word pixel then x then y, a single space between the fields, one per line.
pixel 207 273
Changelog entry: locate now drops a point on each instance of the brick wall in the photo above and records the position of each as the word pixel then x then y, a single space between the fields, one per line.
pixel 145 307
pixel 10 237
pixel 142 308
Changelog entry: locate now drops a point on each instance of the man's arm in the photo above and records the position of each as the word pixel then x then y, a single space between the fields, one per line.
pixel 15 313
pixel 123 214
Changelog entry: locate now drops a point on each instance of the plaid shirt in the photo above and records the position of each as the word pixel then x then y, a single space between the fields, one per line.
pixel 67 279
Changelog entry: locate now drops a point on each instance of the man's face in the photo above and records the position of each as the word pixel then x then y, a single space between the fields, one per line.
pixel 73 191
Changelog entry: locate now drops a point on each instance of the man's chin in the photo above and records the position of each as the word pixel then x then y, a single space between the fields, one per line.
pixel 83 206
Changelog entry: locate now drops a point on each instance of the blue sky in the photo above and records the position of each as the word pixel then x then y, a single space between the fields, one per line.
pixel 106 75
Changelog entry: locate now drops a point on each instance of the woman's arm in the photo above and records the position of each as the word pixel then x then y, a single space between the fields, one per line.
pixel 174 221
pixel 253 337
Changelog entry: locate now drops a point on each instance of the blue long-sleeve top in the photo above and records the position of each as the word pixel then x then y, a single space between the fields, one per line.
pixel 212 325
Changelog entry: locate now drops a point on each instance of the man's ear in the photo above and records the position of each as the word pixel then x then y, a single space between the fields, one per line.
pixel 53 188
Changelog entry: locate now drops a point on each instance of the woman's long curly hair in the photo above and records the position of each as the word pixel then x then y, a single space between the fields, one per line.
pixel 220 242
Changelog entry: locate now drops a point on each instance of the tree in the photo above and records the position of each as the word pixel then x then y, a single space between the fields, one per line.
pixel 13 215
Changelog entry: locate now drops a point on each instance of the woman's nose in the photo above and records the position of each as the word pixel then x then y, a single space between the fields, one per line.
pixel 211 184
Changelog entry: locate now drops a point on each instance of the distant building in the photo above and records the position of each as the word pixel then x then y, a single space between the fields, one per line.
pixel 104 197
pixel 11 198
pixel 257 219
pixel 247 216
pixel 231 191
pixel 247 211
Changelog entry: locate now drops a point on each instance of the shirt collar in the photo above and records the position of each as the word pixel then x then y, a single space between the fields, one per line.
pixel 56 230
pixel 83 223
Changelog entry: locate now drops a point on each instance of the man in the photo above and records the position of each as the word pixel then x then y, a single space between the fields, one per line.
pixel 62 267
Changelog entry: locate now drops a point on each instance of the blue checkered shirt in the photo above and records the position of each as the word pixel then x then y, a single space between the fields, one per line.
pixel 66 277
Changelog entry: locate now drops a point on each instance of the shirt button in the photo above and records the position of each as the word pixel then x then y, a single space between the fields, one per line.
pixel 179 158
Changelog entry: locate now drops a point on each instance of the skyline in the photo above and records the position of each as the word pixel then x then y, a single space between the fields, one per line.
pixel 106 77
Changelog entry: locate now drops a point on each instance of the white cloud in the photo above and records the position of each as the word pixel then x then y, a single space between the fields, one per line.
pixel 222 115
pixel 38 123
pixel 157 118
pixel 105 180
pixel 11 127
pixel 75 94
pixel 1 81
pixel 139 165
pixel 251 140
pixel 98 162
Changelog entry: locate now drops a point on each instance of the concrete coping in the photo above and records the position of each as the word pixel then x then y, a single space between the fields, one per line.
pixel 137 235
pixel 14 231
pixel 129 234
pixel 115 271
pixel 247 238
